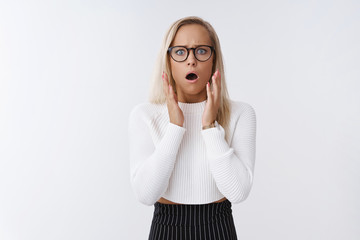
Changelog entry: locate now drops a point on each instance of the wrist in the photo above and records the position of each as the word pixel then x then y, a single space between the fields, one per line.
pixel 177 123
pixel 206 126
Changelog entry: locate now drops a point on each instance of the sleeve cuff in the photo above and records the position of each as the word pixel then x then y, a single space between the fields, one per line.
pixel 172 138
pixel 215 142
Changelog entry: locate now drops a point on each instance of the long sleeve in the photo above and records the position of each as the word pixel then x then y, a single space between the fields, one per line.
pixel 151 166
pixel 232 166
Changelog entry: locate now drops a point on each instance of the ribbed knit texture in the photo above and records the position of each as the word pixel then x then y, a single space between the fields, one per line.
pixel 189 165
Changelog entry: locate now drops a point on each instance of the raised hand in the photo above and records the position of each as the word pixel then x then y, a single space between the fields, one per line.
pixel 175 114
pixel 213 100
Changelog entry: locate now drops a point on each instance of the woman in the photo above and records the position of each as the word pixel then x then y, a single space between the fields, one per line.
pixel 192 149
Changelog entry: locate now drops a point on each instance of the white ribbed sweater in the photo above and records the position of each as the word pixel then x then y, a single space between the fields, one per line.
pixel 186 164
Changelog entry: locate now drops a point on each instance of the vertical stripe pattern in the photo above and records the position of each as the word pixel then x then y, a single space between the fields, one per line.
pixel 213 221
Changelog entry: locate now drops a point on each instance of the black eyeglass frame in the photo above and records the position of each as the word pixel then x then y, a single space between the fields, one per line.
pixel 193 49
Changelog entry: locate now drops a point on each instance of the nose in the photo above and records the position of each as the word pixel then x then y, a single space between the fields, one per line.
pixel 191 60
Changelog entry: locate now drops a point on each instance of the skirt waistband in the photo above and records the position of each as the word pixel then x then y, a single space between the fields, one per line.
pixel 191 214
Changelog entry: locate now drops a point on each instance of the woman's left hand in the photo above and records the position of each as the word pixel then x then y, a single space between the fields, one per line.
pixel 213 100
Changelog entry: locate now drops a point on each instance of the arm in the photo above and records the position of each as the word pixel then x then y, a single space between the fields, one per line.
pixel 151 166
pixel 233 166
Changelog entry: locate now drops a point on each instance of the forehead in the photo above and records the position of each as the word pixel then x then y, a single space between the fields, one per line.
pixel 191 35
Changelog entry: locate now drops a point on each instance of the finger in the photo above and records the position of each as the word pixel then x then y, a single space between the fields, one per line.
pixel 166 77
pixel 165 84
pixel 208 92
pixel 214 82
pixel 167 81
pixel 219 79
pixel 216 86
pixel 171 93
pixel 214 78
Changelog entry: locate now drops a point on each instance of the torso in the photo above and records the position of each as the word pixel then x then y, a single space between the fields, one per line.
pixel 165 201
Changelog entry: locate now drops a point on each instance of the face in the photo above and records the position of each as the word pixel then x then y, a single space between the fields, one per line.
pixel 190 87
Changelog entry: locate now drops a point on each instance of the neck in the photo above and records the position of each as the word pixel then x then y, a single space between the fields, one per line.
pixel 189 98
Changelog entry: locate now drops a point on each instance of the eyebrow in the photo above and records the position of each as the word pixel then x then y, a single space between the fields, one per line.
pixel 194 46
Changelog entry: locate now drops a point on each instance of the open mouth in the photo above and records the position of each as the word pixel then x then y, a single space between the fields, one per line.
pixel 191 76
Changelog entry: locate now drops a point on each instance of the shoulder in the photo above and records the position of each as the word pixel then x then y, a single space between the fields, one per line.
pixel 242 118
pixel 239 108
pixel 146 110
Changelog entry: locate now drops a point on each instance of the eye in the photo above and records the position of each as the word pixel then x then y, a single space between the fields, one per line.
pixel 180 52
pixel 201 51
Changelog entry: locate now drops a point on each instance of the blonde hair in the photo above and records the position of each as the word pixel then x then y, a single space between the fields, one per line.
pixel 157 95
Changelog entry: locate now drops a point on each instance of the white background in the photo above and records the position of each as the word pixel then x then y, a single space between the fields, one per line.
pixel 71 71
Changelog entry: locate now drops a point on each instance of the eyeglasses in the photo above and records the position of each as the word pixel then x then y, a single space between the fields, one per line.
pixel 180 53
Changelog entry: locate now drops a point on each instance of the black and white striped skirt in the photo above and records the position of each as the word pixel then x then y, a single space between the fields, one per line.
pixel 196 222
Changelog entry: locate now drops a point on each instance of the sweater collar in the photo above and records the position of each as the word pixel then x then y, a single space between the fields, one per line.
pixel 192 107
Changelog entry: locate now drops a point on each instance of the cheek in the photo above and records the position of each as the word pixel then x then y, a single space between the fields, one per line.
pixel 208 71
pixel 175 70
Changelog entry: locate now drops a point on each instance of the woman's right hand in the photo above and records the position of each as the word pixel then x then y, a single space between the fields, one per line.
pixel 175 114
